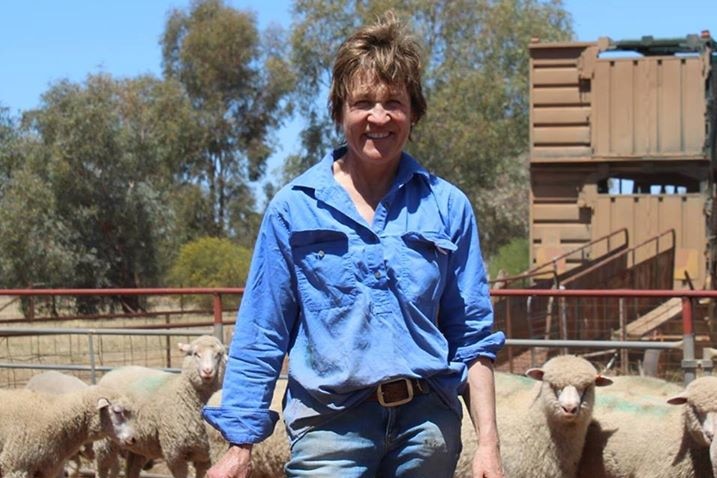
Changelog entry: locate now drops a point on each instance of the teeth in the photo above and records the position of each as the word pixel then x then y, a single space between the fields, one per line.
pixel 377 135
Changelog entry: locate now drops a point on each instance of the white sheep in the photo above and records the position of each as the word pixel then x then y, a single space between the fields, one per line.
pixel 39 431
pixel 638 438
pixel 268 456
pixel 57 383
pixel 52 381
pixel 541 429
pixel 168 408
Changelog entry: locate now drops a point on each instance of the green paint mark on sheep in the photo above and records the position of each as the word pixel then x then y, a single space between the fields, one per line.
pixel 621 405
pixel 150 384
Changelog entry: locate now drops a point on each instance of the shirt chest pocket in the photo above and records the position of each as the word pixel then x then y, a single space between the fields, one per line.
pixel 324 272
pixel 423 265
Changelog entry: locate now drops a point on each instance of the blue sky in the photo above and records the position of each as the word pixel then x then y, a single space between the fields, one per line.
pixel 43 41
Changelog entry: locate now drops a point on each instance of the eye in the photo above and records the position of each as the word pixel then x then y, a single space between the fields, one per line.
pixel 361 104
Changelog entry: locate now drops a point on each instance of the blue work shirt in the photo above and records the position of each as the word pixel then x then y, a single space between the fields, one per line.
pixel 355 304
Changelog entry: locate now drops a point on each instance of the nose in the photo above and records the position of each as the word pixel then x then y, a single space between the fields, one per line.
pixel 379 114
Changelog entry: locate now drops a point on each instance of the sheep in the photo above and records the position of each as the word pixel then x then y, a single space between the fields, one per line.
pixel 542 429
pixel 54 382
pixel 640 438
pixel 269 456
pixel 168 408
pixel 640 388
pixel 39 431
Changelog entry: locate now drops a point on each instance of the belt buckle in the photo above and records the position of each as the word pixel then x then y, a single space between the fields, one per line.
pixel 383 402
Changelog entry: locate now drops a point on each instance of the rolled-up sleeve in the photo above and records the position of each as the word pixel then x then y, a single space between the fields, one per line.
pixel 262 333
pixel 466 312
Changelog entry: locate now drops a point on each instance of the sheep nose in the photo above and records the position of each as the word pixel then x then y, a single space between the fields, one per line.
pixel 130 441
pixel 570 410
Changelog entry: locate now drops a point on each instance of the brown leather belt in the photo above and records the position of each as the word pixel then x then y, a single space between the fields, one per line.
pixel 400 391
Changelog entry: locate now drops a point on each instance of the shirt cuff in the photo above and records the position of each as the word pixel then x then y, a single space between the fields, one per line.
pixel 246 426
pixel 488 347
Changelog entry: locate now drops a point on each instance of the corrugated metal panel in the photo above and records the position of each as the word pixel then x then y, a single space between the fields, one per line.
pixel 560 104
pixel 575 233
pixel 563 75
pixel 556 212
pixel 551 153
pixel 565 115
pixel 557 97
pixel 562 135
pixel 645 216
pixel 652 105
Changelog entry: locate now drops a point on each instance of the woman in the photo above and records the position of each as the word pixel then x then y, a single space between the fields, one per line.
pixel 367 271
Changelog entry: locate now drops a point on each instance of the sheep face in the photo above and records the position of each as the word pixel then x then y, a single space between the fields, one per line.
pixel 568 388
pixel 117 422
pixel 205 360
pixel 700 414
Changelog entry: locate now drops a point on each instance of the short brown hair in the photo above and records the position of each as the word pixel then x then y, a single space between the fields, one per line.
pixel 386 50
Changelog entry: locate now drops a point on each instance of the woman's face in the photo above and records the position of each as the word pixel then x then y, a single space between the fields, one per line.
pixel 376 121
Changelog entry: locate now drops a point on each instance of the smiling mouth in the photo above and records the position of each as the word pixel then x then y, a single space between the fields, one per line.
pixel 377 135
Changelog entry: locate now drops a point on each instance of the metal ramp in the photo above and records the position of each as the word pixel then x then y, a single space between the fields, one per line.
pixel 648 265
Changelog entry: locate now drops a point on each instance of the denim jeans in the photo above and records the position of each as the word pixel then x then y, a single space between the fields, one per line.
pixel 420 439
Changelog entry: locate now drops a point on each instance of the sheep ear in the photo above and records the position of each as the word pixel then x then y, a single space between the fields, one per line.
pixel 602 381
pixel 535 373
pixel 679 399
pixel 102 403
pixel 186 348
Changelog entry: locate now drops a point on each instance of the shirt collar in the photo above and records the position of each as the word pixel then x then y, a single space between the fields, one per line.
pixel 320 177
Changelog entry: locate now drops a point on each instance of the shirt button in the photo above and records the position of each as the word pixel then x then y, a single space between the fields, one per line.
pixel 377 274
pixel 321 254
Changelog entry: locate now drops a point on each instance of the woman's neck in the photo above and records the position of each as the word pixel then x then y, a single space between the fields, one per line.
pixel 365 186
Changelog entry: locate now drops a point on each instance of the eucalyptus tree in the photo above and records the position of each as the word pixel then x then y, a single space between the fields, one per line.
pixel 89 205
pixel 237 79
pixel 475 133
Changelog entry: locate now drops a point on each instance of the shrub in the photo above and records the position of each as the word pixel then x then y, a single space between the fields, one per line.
pixel 513 258
pixel 211 262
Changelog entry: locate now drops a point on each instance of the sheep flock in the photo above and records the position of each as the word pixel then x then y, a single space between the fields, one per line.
pixel 562 420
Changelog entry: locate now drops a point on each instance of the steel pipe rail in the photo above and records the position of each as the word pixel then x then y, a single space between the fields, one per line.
pixel 596 344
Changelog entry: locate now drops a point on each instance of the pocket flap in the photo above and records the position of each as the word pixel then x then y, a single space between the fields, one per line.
pixel 440 240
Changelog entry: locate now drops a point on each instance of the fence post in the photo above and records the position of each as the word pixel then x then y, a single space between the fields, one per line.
pixel 218 325
pixel 91 347
pixel 623 336
pixel 528 313
pixel 563 320
pixel 689 364
pixel 167 344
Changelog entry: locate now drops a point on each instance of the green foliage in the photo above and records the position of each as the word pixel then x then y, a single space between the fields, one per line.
pixel 237 80
pixel 211 262
pixel 103 184
pixel 476 82
pixel 86 207
pixel 512 258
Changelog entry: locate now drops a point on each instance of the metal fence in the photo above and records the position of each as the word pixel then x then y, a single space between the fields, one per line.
pixel 91 346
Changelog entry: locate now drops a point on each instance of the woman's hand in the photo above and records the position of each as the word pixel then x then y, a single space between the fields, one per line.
pixel 235 463
pixel 486 462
